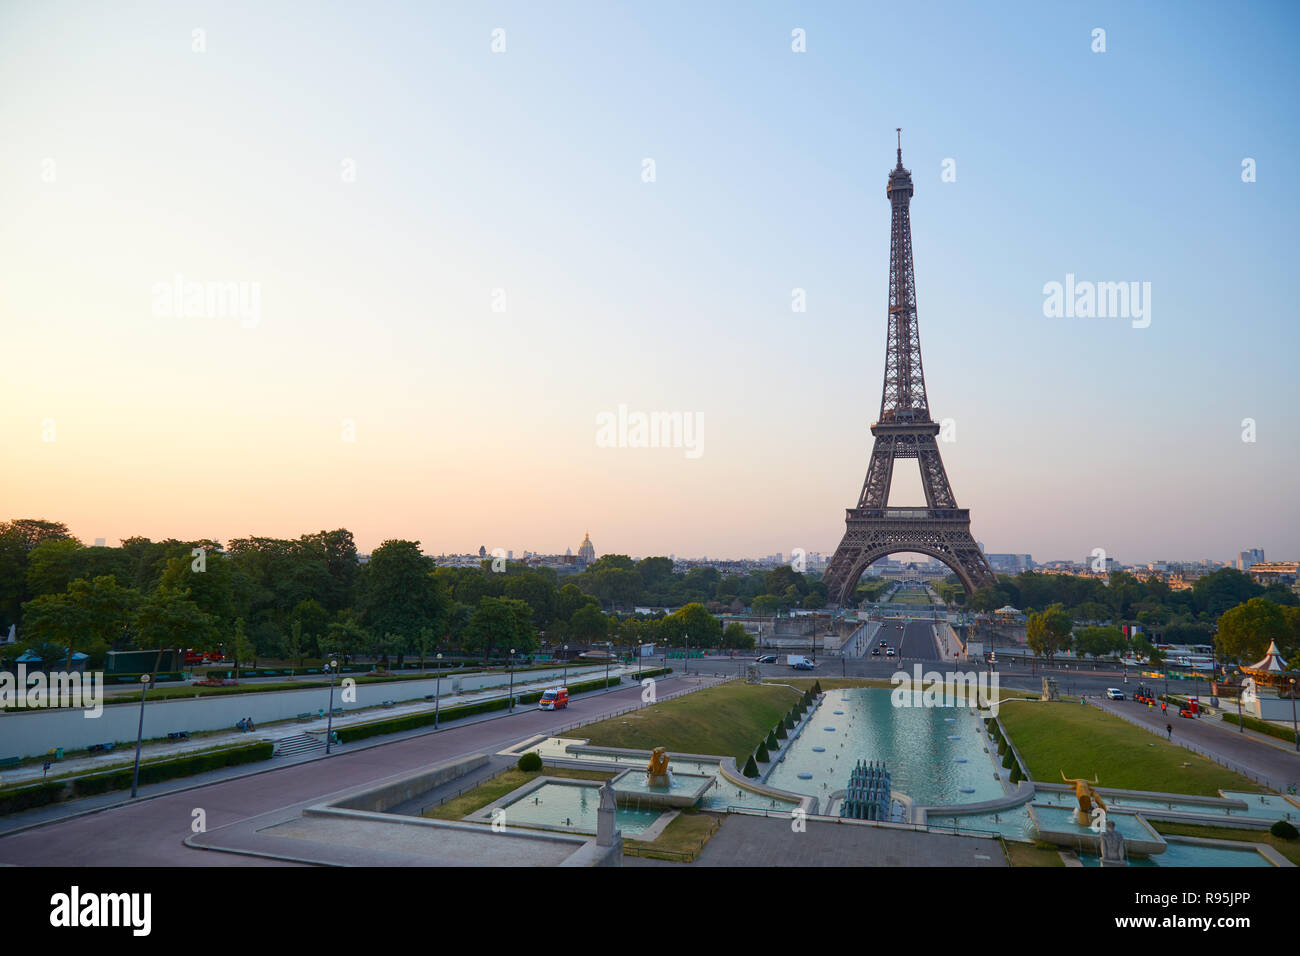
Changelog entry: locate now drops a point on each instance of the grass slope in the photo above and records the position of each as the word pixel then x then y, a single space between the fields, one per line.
pixel 1083 741
pixel 729 719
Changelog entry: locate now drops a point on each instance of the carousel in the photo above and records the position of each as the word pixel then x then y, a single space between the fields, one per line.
pixel 1270 671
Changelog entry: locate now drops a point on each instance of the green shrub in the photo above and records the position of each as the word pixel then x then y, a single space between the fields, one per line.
pixel 1009 760
pixel 780 731
pixel 762 754
pixel 789 721
pixel 1015 773
pixel 1260 726
pixel 751 768
pixel 25 798
pixel 530 762
pixel 170 769
pixel 1283 830
pixel 771 743
pixel 817 687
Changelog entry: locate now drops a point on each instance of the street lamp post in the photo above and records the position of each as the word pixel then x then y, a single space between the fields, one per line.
pixel 437 691
pixel 686 656
pixel 638 662
pixel 512 680
pixel 139 734
pixel 1241 727
pixel 565 678
pixel 329 720
pixel 609 650
pixel 1294 727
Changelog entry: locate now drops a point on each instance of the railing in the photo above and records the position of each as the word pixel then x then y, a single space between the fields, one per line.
pixel 650 851
pixel 785 814
pixel 958 514
pixel 723 678
pixel 1209 755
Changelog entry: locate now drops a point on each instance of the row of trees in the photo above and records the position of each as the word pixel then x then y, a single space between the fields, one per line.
pixel 1121 597
pixel 1242 634
pixel 307 597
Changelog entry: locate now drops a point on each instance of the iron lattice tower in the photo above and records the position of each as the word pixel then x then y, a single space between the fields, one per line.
pixel 904 430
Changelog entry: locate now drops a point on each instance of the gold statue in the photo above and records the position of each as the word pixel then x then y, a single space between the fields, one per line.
pixel 658 762
pixel 1087 796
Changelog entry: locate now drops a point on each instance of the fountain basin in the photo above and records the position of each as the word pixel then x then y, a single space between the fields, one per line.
pixel 682 789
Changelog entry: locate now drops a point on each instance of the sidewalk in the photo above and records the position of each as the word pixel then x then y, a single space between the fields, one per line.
pixel 275 732
pixel 69 809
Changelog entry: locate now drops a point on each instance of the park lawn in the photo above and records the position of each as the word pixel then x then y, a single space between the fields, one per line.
pixel 829 683
pixel 499 786
pixel 1288 848
pixel 682 840
pixel 1033 854
pixel 727 720
pixel 1082 741
pixel 911 597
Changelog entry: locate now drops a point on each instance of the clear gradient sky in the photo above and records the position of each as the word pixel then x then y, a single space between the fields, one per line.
pixel 522 171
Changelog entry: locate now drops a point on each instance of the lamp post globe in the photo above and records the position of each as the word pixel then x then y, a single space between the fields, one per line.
pixel 333 667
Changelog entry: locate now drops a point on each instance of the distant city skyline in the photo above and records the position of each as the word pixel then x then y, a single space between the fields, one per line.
pixel 372 274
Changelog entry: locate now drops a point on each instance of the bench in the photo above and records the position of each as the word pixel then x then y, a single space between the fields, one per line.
pixel 337 711
pixel 9 763
pixel 100 748
pixel 179 735
pixel 304 716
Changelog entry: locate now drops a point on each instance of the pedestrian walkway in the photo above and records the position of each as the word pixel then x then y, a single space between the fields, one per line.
pixel 153 750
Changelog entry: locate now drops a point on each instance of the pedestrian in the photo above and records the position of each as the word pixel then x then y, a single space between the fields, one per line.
pixel 1169 730
pixel 1164 707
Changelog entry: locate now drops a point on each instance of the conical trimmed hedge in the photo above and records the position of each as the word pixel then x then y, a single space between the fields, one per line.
pixel 761 754
pixel 771 742
pixel 780 731
pixel 751 768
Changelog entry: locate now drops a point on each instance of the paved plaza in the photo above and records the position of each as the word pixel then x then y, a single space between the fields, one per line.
pixel 757 841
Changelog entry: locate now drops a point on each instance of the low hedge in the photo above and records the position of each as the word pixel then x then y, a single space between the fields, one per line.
pixel 27 798
pixel 161 770
pixel 425 719
pixel 1261 726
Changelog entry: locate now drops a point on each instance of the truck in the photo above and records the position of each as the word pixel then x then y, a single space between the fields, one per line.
pixel 557 698
pixel 799 662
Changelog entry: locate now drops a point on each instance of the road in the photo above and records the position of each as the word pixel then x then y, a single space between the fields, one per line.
pixel 1273 765
pixel 149 832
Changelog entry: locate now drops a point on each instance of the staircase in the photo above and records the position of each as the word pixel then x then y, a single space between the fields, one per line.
pixel 298 744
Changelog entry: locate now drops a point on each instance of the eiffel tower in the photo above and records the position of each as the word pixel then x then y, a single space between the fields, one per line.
pixel 904 430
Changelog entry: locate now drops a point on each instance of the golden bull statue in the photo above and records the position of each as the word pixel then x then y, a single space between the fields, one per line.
pixel 658 762
pixel 1087 795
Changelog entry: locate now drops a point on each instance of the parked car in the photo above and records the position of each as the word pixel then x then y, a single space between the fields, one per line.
pixel 765 659
pixel 1114 693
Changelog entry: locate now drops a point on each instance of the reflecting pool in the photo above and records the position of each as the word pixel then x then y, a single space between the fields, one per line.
pixel 935 755
pixel 574 805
